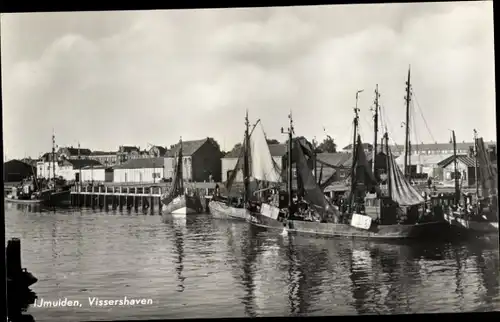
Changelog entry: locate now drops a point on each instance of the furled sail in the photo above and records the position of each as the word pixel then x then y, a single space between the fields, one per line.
pixel 177 181
pixel 363 171
pixel 488 174
pixel 402 192
pixel 312 192
pixel 262 165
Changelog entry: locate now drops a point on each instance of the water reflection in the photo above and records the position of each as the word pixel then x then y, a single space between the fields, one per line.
pixel 179 226
pixel 200 267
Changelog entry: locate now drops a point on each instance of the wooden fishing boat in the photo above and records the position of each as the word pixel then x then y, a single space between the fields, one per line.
pixel 258 168
pixel 481 217
pixel 178 200
pixel 399 213
pixel 38 191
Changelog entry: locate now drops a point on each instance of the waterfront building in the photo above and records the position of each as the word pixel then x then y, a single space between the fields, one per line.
pixel 71 153
pixel 99 173
pixel 201 160
pixel 140 170
pixel 67 169
pixel 106 158
pixel 466 171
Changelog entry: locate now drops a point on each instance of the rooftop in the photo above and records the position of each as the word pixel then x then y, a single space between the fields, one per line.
pixel 74 151
pixel 81 163
pixel 188 147
pixel 464 159
pixel 277 150
pixel 98 153
pixel 142 163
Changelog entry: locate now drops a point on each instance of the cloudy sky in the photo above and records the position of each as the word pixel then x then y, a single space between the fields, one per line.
pixel 131 78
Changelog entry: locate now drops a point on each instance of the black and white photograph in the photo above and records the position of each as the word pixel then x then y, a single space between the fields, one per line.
pixel 295 161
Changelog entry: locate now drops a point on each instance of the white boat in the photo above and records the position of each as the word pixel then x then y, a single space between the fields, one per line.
pixel 257 165
pixel 178 200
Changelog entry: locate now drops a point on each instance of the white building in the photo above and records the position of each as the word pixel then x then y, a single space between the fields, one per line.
pixel 98 173
pixel 423 163
pixel 67 169
pixel 466 170
pixel 146 170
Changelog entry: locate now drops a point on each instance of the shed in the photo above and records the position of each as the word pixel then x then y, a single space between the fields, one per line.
pixel 140 170
pixel 98 173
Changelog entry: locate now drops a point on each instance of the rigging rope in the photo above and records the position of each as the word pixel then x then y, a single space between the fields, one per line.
pixel 422 115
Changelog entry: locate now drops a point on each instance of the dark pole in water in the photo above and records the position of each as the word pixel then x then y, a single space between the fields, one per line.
pixel 19 296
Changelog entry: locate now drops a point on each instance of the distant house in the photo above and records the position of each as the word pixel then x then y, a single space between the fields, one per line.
pixel 143 170
pixel 157 151
pixel 462 148
pixel 16 170
pixel 228 162
pixel 426 164
pixel 332 164
pixel 71 153
pixel 465 170
pixel 126 153
pixel 342 162
pixel 201 160
pixel 367 147
pixel 103 157
pixel 99 173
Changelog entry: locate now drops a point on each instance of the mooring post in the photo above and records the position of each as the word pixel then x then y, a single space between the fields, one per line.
pixel 19 296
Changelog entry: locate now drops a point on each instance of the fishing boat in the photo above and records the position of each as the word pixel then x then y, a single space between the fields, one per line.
pixel 261 175
pixel 479 217
pixel 396 213
pixel 55 192
pixel 179 200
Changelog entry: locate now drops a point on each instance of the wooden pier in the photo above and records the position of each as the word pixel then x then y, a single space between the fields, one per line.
pixel 119 197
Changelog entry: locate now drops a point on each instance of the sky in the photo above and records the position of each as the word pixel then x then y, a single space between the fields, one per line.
pixel 106 79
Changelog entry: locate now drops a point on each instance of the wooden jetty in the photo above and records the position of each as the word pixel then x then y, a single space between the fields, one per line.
pixel 129 196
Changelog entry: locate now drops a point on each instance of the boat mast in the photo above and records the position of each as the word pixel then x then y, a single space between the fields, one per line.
pixel 375 129
pixel 180 168
pixel 407 171
pixel 53 157
pixel 80 166
pixel 289 160
pixel 389 165
pixel 457 185
pixel 476 172
pixel 354 149
pixel 246 161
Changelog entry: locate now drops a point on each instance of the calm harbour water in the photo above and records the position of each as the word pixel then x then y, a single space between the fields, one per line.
pixel 201 267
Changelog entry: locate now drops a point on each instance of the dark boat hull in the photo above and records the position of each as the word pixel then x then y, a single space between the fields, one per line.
pixel 60 198
pixel 220 210
pixel 471 227
pixel 426 231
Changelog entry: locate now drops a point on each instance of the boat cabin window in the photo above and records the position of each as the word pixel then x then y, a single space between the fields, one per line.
pixel 372 203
